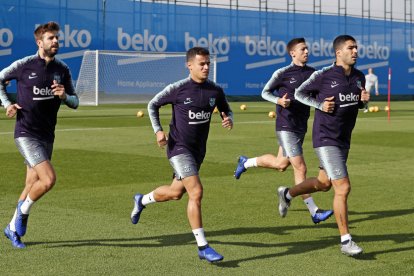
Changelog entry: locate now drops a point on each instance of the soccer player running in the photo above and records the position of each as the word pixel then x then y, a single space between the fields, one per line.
pixel 371 82
pixel 193 100
pixel 291 123
pixel 336 92
pixel 43 83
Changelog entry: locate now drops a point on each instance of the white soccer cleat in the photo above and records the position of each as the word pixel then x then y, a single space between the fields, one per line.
pixel 283 202
pixel 351 248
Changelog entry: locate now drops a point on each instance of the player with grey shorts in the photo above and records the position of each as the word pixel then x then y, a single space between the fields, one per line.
pixel 43 84
pixel 336 92
pixel 193 101
pixel 291 124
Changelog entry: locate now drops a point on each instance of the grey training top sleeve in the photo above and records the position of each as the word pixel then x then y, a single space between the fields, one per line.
pixel 271 86
pixel 164 97
pixel 304 93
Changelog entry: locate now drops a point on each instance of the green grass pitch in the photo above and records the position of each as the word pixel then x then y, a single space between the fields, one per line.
pixel 104 155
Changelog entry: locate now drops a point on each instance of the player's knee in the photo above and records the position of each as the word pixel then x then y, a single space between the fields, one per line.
pixel 49 181
pixel 343 189
pixel 324 185
pixel 281 166
pixel 177 195
pixel 196 194
pixel 301 169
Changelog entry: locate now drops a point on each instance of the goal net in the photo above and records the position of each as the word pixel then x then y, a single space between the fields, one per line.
pixel 129 77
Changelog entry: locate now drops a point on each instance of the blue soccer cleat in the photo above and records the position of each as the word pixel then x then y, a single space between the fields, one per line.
pixel 15 239
pixel 138 207
pixel 209 254
pixel 240 166
pixel 321 215
pixel 21 221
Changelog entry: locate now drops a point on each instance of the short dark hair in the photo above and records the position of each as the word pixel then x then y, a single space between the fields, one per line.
pixel 191 53
pixel 47 27
pixel 339 41
pixel 292 43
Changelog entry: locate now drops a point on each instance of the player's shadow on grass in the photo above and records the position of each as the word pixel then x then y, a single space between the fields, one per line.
pixel 182 238
pixel 303 247
pixel 374 215
pixel 289 248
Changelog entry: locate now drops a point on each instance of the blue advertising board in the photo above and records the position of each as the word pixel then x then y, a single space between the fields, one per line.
pixel 250 45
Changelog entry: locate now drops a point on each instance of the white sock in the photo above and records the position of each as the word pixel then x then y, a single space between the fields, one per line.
pixel 199 236
pixel 311 205
pixel 288 196
pixel 251 162
pixel 148 198
pixel 13 221
pixel 27 204
pixel 346 237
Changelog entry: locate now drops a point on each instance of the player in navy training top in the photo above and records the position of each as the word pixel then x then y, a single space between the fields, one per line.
pixel 43 83
pixel 291 123
pixel 337 92
pixel 193 100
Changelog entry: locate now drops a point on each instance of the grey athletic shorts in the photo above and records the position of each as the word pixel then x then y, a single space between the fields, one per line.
pixel 333 160
pixel 184 165
pixel 291 142
pixel 33 150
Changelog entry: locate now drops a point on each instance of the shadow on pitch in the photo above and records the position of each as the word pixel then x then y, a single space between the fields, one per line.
pixel 283 249
pixel 303 247
pixel 182 238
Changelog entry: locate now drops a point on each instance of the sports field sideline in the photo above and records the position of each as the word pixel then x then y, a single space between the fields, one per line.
pixel 104 155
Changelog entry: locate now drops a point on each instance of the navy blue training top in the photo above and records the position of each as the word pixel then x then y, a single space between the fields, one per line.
pixel 37 118
pixel 193 104
pixel 295 117
pixel 333 129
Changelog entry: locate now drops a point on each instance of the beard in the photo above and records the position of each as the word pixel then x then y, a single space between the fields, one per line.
pixel 51 52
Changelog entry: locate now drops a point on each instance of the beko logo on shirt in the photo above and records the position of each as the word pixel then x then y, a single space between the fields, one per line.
pixel 349 97
pixel 199 115
pixel 42 91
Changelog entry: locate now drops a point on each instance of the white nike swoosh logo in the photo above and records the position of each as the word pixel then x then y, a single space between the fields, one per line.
pixel 32 77
pixel 334 85
pixel 187 102
pixel 293 81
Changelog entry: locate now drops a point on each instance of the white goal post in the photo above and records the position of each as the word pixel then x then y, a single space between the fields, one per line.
pixel 129 77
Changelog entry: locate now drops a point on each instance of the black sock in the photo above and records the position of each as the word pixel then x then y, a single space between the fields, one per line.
pixel 203 247
pixel 286 191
